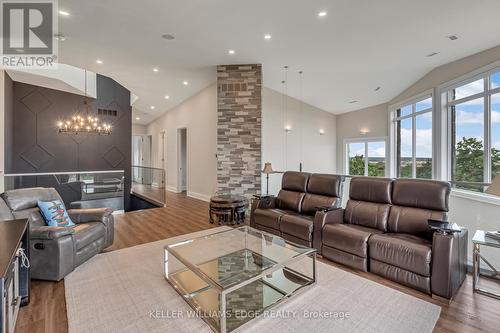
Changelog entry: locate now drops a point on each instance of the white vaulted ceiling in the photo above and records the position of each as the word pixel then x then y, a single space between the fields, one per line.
pixel 358 46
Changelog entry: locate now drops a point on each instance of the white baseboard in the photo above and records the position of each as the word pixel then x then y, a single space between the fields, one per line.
pixel 173 189
pixel 198 196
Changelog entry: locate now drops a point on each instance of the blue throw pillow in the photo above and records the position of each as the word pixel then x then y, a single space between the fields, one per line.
pixel 55 213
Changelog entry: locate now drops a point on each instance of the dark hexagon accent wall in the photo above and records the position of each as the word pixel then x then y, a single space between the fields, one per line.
pixel 34 145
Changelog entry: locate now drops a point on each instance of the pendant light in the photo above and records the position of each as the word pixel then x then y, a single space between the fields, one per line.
pixel 84 121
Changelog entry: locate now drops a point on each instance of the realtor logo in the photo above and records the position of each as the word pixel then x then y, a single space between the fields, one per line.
pixel 28 29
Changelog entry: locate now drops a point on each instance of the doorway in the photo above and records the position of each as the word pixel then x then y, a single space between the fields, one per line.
pixel 141 150
pixel 182 159
pixel 141 156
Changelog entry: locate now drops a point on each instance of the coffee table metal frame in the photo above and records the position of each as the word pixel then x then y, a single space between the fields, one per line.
pixel 478 240
pixel 223 292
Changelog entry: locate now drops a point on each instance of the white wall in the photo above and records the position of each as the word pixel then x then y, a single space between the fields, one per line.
pixel 449 72
pixel 303 144
pixel 139 129
pixel 199 115
pixel 477 215
pixel 373 119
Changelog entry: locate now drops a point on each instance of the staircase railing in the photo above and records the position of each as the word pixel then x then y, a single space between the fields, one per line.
pixel 149 184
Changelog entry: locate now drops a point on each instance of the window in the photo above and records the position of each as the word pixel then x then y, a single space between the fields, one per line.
pixel 366 157
pixel 457 140
pixel 474 111
pixel 357 160
pixel 413 126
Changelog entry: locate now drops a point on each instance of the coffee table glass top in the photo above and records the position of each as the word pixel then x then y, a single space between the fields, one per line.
pixel 238 271
pixel 245 248
pixel 481 238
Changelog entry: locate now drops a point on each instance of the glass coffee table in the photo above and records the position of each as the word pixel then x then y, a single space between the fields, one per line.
pixel 234 276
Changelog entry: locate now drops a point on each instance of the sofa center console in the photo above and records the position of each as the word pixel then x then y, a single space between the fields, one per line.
pixel 14 270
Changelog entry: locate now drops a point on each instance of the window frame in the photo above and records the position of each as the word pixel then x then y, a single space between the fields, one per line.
pixel 393 126
pixel 446 93
pixel 441 129
pixel 365 141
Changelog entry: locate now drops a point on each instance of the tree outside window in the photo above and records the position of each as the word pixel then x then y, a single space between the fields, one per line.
pixel 475 132
pixel 366 158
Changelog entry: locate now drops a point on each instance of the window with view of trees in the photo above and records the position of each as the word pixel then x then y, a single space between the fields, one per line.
pixel 366 158
pixel 474 110
pixel 414 139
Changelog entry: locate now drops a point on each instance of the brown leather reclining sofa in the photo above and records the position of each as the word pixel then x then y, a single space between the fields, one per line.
pixel 383 229
pixel 294 214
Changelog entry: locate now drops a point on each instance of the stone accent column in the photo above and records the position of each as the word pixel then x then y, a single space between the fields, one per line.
pixel 239 129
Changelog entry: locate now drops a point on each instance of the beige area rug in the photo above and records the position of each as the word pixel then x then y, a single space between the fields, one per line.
pixel 125 291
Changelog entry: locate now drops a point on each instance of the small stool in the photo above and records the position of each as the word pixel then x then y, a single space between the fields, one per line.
pixel 228 209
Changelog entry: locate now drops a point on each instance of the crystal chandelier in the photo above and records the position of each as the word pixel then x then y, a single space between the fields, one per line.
pixel 84 122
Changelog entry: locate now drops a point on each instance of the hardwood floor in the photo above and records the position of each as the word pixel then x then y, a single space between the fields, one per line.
pixel 47 310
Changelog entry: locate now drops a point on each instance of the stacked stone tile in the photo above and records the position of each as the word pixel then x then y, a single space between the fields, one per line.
pixel 239 129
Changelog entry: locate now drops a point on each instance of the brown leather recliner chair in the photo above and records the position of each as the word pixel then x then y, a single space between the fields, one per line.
pixel 266 213
pixel 301 208
pixel 346 234
pixel 410 253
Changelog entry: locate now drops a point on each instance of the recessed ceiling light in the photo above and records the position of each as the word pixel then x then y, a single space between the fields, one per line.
pixel 99 61
pixel 63 13
pixel 432 54
pixel 152 107
pixel 60 37
pixel 185 83
pixel 268 36
pixel 453 37
pixel 322 13
pixel 352 102
pixel 231 52
pixel 156 70
pixel 168 36
pixel 137 118
pixel 167 97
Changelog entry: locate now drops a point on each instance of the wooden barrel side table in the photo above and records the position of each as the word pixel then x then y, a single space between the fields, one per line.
pixel 228 209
